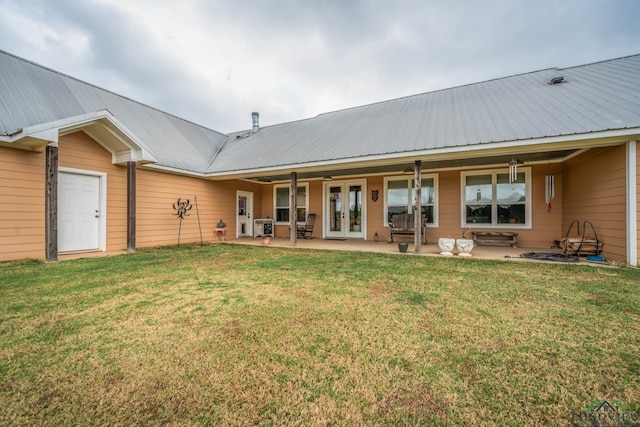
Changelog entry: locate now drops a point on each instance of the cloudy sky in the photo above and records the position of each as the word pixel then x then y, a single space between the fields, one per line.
pixel 215 61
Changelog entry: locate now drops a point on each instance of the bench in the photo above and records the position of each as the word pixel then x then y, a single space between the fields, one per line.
pixel 403 225
pixel 504 238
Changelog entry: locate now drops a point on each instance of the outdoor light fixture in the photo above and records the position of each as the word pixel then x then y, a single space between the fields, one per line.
pixel 513 170
pixel 549 189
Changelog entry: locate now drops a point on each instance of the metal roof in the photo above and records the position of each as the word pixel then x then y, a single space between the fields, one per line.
pixel 518 109
pixel 515 110
pixel 32 95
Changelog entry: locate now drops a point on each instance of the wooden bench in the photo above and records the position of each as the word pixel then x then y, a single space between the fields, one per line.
pixel 504 238
pixel 403 225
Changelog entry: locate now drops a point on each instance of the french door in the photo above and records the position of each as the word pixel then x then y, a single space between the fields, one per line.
pixel 344 205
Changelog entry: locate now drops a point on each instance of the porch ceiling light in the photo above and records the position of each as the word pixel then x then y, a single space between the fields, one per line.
pixel 513 169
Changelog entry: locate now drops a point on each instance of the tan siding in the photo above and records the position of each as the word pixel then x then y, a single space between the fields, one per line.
pixel 375 210
pixel 79 151
pixel 595 190
pixel 157 224
pixel 22 176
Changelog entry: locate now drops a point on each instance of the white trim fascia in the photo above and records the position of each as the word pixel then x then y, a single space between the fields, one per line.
pixel 632 204
pixel 50 133
pixel 577 141
pixel 178 171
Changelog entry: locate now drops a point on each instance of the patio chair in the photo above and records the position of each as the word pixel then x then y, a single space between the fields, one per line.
pixel 306 231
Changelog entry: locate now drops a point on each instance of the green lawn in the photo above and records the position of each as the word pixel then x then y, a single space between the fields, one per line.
pixel 237 335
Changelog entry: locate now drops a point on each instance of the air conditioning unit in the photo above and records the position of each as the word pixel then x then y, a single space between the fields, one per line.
pixel 263 227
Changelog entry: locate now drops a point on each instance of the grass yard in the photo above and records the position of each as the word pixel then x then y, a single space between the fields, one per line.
pixel 238 335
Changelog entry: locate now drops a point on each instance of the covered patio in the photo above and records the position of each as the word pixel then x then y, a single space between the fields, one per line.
pixel 430 249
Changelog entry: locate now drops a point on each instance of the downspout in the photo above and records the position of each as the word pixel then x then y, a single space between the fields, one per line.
pixel 632 204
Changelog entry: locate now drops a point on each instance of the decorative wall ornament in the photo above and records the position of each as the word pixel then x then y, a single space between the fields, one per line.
pixel 182 208
pixel 374 195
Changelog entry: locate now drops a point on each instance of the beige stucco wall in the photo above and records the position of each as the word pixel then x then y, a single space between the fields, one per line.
pixel 22 222
pixel 595 190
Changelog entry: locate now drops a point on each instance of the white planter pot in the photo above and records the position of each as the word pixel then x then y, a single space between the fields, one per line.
pixel 446 245
pixel 464 246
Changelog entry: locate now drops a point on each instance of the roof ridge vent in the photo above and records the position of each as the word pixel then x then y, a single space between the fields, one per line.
pixel 556 80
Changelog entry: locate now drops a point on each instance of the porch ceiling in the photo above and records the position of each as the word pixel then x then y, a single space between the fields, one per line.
pixel 427 165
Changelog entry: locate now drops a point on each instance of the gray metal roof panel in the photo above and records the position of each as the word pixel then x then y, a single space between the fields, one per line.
pixel 595 97
pixel 31 94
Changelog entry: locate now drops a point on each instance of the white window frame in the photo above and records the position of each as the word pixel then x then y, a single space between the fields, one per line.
pixel 410 201
pixel 288 187
pixel 494 204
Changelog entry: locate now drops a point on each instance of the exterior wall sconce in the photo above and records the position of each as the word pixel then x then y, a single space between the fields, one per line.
pixel 374 195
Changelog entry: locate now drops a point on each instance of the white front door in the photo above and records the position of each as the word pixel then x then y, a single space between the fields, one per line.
pixel 344 205
pixel 78 212
pixel 244 213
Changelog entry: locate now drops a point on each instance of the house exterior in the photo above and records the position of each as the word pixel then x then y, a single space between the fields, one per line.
pixel 85 170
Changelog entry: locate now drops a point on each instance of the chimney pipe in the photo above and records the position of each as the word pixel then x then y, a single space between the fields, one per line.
pixel 256 125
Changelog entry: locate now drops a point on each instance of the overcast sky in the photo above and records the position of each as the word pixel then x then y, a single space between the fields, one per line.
pixel 215 61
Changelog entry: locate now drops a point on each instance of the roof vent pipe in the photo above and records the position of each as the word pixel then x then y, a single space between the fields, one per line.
pixel 556 80
pixel 256 122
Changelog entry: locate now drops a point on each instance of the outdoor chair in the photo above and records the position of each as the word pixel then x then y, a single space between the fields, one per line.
pixel 306 231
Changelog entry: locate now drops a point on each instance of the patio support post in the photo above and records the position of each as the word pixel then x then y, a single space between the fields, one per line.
pixel 131 206
pixel 293 208
pixel 51 203
pixel 417 211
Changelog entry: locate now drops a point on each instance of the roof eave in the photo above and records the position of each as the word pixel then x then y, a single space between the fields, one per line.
pixel 102 126
pixel 562 142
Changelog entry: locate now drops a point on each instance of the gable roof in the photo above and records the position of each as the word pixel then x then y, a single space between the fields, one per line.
pixel 32 95
pixel 516 110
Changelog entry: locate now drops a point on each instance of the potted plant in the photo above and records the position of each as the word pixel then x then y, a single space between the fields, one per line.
pixel 266 240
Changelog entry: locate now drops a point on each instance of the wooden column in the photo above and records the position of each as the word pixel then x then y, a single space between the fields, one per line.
pixel 293 208
pixel 51 203
pixel 417 210
pixel 131 206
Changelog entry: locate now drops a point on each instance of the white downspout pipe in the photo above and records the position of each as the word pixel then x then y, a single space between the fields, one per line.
pixel 632 204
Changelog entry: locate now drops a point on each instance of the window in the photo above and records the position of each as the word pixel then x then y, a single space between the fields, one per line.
pixel 400 196
pixel 491 200
pixel 282 201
